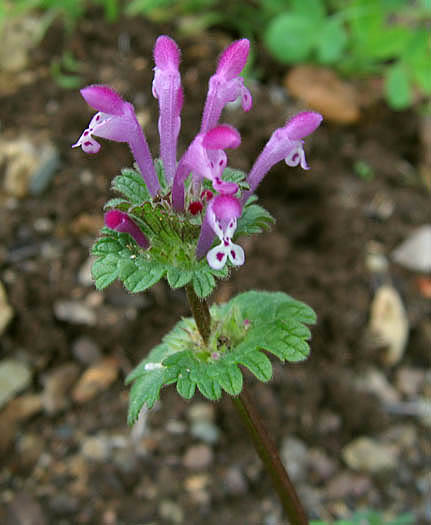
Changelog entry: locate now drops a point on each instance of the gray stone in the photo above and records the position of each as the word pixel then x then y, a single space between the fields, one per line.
pixel 415 252
pixel 171 512
pixel 369 455
pixel 86 350
pixel 6 311
pixel 30 166
pixel 235 482
pixel 198 457
pixel 74 312
pixel 388 324
pixel 58 383
pixel 48 163
pixel 84 274
pixel 347 484
pixel 321 465
pixel 294 456
pixel 375 382
pixel 410 381
pixel 97 448
pixel 19 35
pixel 25 510
pixel 201 412
pixel 14 377
pixel 205 431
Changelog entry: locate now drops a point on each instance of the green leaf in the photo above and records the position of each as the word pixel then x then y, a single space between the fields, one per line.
pixel 186 387
pixel 160 172
pixel 416 56
pixel 331 41
pixel 104 271
pixel 275 324
pixel 254 219
pixel 178 277
pixel 231 380
pixel 138 275
pixel 258 364
pixel 314 9
pixel 203 283
pixel 146 390
pixel 106 245
pixel 207 386
pixel 397 86
pixel 131 184
pixel 291 37
pixel 118 203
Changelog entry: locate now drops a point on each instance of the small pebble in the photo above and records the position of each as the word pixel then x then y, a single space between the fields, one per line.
pixel 14 377
pixel 205 431
pixel 74 312
pixel 294 456
pixel 96 379
pixel 86 350
pixel 6 310
pixel 58 383
pixel 198 457
pixel 96 448
pixel 369 455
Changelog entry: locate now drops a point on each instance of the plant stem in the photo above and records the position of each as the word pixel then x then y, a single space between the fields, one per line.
pixel 263 444
pixel 200 312
pixel 267 451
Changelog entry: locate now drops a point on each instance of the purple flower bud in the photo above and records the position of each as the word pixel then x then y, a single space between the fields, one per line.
pixel 122 223
pixel 285 143
pixel 167 89
pixel 226 85
pixel 205 158
pixel 104 99
pixel 233 59
pixel 116 120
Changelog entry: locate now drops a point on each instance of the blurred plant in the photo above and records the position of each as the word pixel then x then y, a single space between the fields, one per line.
pixel 356 37
pixel 371 517
pixel 69 11
pixel 64 71
pixel 164 226
pixel 363 170
pixel 388 37
pixel 385 37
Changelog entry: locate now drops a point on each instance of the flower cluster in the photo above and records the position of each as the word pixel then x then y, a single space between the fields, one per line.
pixel 202 165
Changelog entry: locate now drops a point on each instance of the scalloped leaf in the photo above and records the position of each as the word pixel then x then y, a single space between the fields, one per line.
pixel 243 330
pixel 138 274
pixel 178 277
pixel 131 184
pixel 104 271
pixel 254 219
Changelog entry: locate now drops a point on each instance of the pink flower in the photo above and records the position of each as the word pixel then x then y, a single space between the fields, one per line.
pixel 116 120
pixel 221 219
pixel 226 85
pixel 205 158
pixel 285 143
pixel 167 89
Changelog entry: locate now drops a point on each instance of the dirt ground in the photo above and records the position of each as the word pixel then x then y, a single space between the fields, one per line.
pixel 67 457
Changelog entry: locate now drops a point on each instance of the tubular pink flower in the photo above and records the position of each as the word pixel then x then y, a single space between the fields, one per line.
pixel 167 89
pixel 205 158
pixel 122 223
pixel 220 219
pixel 116 120
pixel 226 85
pixel 285 143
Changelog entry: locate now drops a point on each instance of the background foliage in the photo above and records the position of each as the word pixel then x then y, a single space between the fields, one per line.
pixel 356 37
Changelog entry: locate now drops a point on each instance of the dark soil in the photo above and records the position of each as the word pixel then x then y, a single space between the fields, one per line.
pixel 316 252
